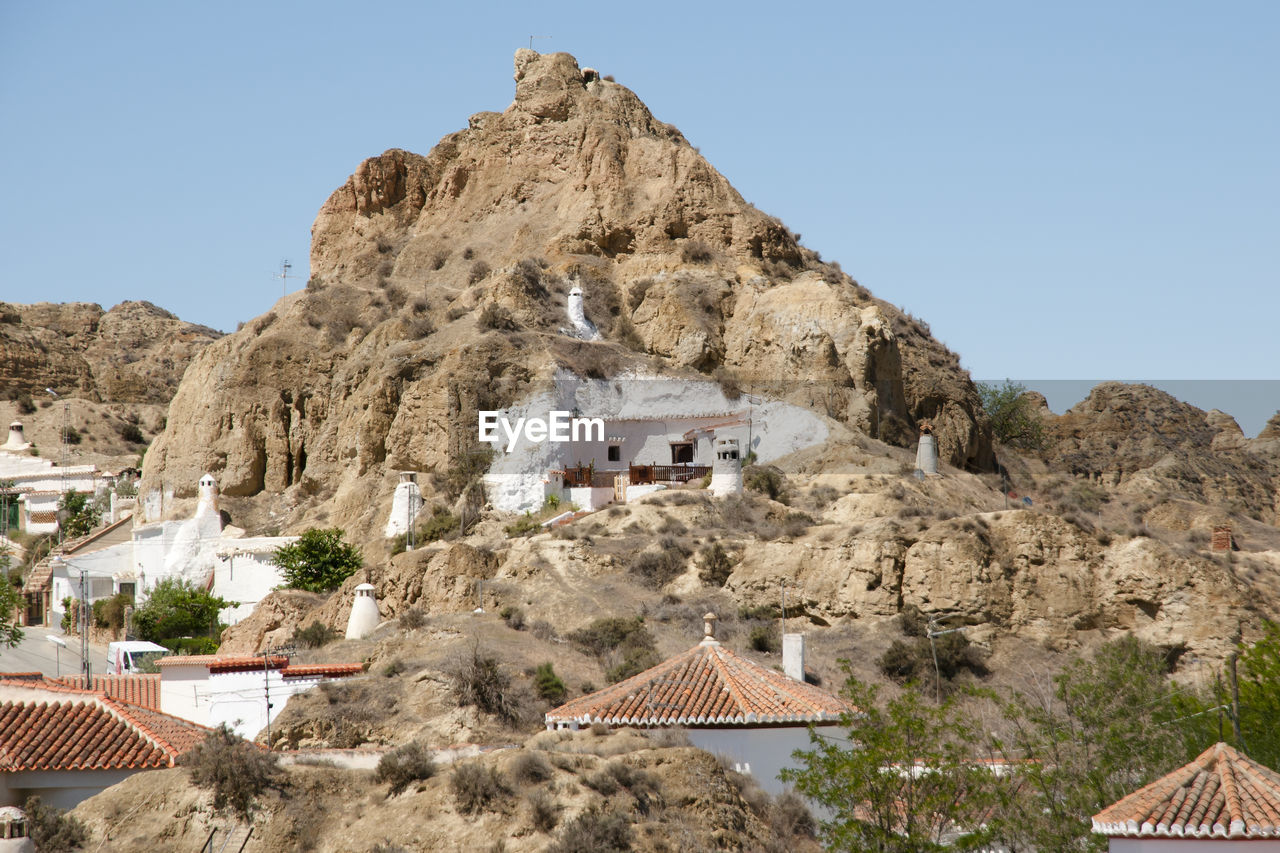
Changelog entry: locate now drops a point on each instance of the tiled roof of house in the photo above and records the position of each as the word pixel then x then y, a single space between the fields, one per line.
pixel 142 690
pixel 46 726
pixel 322 670
pixel 1221 794
pixel 224 663
pixel 705 686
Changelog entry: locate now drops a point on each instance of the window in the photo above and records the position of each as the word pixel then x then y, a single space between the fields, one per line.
pixel 615 453
pixel 681 453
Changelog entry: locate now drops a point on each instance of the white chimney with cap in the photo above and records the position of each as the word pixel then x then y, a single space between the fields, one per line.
pixel 927 452
pixel 364 613
pixel 793 656
pixel 17 439
pixel 726 468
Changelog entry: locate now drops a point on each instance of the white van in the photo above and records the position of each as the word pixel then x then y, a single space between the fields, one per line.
pixel 133 656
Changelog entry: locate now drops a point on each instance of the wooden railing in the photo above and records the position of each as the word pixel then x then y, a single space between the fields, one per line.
pixel 586 475
pixel 642 474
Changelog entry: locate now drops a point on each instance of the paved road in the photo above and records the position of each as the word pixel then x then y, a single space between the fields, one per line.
pixel 37 654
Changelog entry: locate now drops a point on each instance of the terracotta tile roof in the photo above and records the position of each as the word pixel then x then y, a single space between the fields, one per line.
pixel 142 690
pixel 705 686
pixel 50 727
pixel 1221 794
pixel 322 670
pixel 224 663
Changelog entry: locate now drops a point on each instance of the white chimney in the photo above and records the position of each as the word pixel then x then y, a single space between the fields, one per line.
pixel 17 439
pixel 793 656
pixel 726 468
pixel 364 613
pixel 927 452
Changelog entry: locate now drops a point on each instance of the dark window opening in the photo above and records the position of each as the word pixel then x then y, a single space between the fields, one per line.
pixel 681 453
pixel 615 453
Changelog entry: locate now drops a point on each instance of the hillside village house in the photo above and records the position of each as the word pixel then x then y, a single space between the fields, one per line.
pixel 643 435
pixel 64 744
pixel 213 690
pixel 38 484
pixel 132 557
pixel 1222 802
pixel 727 704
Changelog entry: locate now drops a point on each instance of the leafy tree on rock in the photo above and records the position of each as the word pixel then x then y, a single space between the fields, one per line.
pixel 10 600
pixel 1013 420
pixel 319 561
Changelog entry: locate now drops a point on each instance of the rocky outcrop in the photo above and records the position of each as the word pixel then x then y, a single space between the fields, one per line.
pixel 439 285
pixel 134 353
pixel 1144 442
pixel 1021 573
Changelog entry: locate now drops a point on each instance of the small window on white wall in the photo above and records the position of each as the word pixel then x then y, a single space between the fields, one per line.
pixel 615 453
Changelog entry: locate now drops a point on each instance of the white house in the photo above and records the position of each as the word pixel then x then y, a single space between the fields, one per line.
pixel 65 744
pixel 244 692
pixel 40 484
pixel 727 704
pixel 1222 802
pixel 632 435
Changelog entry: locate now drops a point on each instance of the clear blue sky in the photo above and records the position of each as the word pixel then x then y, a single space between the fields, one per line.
pixel 1063 191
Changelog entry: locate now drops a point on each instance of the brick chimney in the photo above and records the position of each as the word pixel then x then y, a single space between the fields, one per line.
pixel 1221 538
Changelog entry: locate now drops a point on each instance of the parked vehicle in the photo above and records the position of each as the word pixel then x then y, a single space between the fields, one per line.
pixel 133 656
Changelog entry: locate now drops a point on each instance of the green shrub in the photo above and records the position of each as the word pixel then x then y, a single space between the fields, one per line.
pixel 513 616
pixel 314 635
pixel 477 789
pixel 404 765
pixel 765 479
pixel 714 565
pixel 190 645
pixel 548 685
pixel 234 769
pixel 109 612
pixel 764 638
pixel 526 525
pixel 178 608
pixel 623 647
pixel 319 561
pixel 131 434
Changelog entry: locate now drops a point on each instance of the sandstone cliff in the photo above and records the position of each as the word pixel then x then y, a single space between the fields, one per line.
pixel 134 353
pixel 438 287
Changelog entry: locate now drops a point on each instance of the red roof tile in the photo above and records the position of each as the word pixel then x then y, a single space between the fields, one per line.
pixel 224 663
pixel 50 727
pixel 322 670
pixel 1221 794
pixel 705 686
pixel 142 690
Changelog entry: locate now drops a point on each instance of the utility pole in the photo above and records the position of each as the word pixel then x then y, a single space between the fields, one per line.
pixel 84 625
pixel 937 673
pixel 284 277
pixel 1235 704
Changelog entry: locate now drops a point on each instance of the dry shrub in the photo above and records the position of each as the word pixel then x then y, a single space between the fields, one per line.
pixel 714 565
pixel 530 768
pixel 658 568
pixel 52 829
pixel 479 271
pixel 477 788
pixel 404 765
pixel 413 618
pixel 480 681
pixel 544 811
pixel 594 831
pixel 695 252
pixel 496 317
pixel 234 769
pixel 669 738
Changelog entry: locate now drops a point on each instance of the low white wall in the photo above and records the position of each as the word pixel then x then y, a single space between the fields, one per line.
pixel 766 750
pixel 591 497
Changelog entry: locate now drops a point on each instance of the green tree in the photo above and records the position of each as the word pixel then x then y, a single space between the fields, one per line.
pixel 178 608
pixel 1013 420
pixel 10 601
pixel 318 561
pixel 81 513
pixel 903 779
pixel 1110 725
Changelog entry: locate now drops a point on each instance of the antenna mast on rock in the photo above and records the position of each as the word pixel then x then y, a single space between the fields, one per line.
pixel 531 38
pixel 284 277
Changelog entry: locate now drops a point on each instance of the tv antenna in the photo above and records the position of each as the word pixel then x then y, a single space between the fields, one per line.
pixel 284 276
pixel 531 38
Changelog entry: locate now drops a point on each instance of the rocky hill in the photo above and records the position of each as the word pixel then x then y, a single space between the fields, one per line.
pixel 439 286
pixel 134 353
